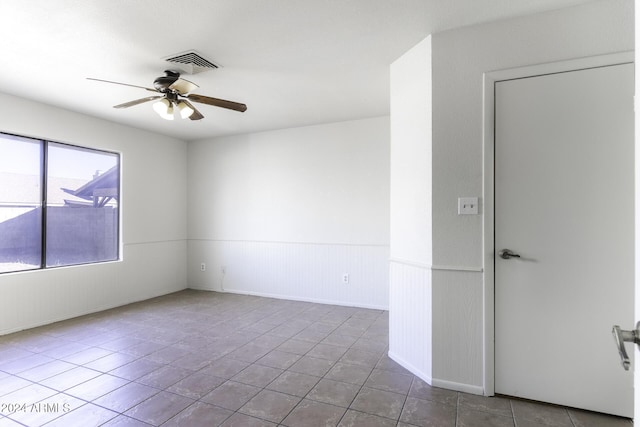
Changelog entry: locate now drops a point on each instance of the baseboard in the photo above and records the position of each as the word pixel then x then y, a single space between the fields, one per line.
pixel 204 288
pixel 410 367
pixel 465 388
pixel 302 299
pixel 434 382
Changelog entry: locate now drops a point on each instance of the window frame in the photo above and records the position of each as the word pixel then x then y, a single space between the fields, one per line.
pixel 43 202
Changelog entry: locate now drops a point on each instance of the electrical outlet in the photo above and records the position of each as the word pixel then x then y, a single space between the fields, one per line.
pixel 345 278
pixel 468 206
pixel 203 266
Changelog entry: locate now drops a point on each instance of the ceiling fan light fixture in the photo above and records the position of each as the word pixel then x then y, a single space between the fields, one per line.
pixel 164 108
pixel 185 110
pixel 168 93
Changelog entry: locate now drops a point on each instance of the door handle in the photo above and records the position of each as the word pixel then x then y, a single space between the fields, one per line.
pixel 620 337
pixel 508 254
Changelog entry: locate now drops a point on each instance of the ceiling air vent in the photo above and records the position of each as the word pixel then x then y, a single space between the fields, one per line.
pixel 191 62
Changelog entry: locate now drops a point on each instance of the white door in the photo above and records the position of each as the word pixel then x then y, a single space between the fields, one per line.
pixel 564 202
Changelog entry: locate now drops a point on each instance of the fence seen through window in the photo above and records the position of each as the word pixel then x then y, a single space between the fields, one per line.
pixel 59 204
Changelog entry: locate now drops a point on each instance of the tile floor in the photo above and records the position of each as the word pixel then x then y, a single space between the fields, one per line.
pixel 206 359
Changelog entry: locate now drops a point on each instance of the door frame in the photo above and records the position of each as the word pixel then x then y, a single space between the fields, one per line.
pixel 488 184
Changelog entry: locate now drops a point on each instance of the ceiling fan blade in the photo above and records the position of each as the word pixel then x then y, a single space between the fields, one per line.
pixel 122 84
pixel 197 115
pixel 183 86
pixel 218 102
pixel 138 101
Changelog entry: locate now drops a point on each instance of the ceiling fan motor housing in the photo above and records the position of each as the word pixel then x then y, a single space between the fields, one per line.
pixel 162 83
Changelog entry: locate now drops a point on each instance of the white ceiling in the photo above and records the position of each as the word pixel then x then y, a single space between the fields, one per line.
pixel 293 62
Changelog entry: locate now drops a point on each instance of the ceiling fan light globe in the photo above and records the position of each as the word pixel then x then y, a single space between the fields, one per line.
pixel 185 110
pixel 164 108
pixel 169 115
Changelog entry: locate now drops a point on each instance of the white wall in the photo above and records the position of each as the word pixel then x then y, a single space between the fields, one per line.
pixel 459 59
pixel 288 212
pixel 153 224
pixel 410 312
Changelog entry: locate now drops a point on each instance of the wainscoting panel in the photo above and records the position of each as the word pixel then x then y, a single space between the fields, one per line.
pixel 410 318
pixel 298 271
pixel 458 330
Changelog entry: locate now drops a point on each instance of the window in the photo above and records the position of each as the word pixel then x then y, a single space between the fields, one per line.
pixel 59 204
pixel 20 203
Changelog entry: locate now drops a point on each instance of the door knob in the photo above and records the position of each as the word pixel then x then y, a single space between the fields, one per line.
pixel 508 254
pixel 620 337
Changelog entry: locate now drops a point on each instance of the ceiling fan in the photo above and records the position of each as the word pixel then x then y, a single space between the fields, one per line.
pixel 175 93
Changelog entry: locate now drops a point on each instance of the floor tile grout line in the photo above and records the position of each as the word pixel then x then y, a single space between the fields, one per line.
pixel 513 413
pixel 457 409
pixel 264 388
pixel 406 397
pixel 320 378
pixel 359 390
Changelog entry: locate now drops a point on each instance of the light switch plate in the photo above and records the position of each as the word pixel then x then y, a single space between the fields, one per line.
pixel 467 206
